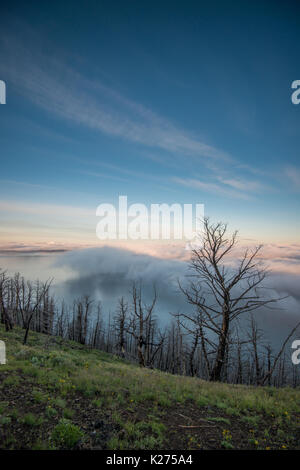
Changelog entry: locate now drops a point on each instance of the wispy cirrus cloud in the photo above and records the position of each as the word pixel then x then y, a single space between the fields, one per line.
pixel 211 187
pixel 62 91
pixel 242 185
pixel 293 175
pixel 45 209
pixel 233 181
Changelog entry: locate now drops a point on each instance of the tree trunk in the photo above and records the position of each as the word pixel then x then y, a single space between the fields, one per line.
pixel 215 375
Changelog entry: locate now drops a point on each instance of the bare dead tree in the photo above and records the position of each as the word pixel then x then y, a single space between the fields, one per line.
pixel 140 317
pixel 82 319
pixel 193 348
pixel 221 293
pixel 61 320
pixel 120 322
pixel 5 315
pixel 239 373
pixel 255 335
pixel 269 356
pixel 272 368
pixel 29 300
pixel 97 327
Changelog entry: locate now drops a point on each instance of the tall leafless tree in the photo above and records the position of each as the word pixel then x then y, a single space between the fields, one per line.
pixel 140 322
pixel 221 292
pixel 120 322
pixel 4 309
pixel 29 300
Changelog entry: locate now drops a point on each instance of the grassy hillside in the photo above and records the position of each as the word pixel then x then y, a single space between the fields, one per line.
pixel 58 394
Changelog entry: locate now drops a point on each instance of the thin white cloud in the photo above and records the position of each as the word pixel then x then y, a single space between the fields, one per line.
pixel 293 175
pixel 62 91
pixel 46 209
pixel 229 179
pixel 242 185
pixel 210 188
pixel 97 174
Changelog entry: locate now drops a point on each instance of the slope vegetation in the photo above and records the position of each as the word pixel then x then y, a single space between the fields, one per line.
pixel 57 394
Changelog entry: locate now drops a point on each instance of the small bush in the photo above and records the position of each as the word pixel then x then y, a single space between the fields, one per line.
pixel 14 414
pixel 68 413
pixel 3 406
pixel 251 420
pixel 60 402
pixel 22 354
pixel 38 361
pixel 11 381
pixel 50 412
pixel 66 435
pixel 98 402
pixel 32 420
pixel 202 401
pixel 5 420
pixel 39 396
pixel 227 445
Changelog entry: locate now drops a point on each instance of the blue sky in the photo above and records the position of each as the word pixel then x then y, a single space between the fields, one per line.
pixel 161 101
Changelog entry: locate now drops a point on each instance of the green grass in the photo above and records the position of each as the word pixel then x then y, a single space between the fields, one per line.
pixel 251 420
pixel 39 396
pixel 68 413
pixel 11 381
pixel 5 420
pixel 50 412
pixel 220 420
pixel 32 420
pixel 56 373
pixel 66 435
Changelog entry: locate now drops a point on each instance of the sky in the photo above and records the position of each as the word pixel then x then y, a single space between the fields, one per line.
pixel 165 102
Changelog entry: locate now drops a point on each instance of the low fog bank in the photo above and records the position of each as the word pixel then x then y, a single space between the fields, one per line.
pixel 108 273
